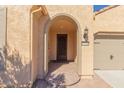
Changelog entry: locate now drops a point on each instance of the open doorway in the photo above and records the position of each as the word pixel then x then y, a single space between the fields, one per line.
pixel 61 47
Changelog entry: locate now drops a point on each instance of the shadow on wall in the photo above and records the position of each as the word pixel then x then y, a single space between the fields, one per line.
pixel 13 73
pixel 2 61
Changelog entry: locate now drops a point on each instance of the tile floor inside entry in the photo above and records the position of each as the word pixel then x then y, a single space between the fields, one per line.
pixel 64 75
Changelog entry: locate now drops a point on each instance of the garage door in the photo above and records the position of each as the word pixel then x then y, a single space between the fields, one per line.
pixel 109 51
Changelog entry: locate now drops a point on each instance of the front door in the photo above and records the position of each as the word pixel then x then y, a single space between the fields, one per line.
pixel 61 47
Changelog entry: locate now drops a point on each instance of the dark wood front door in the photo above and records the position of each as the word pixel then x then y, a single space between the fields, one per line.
pixel 62 47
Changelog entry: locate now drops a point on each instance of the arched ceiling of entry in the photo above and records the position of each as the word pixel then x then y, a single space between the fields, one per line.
pixel 63 23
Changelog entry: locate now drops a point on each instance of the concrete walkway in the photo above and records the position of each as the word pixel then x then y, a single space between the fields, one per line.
pixel 96 82
pixel 115 78
pixel 65 75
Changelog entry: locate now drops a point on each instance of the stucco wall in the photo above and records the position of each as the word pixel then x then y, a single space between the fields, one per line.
pixel 2 37
pixel 35 41
pixel 42 23
pixel 17 73
pixel 110 20
pixel 37 38
pixel 20 39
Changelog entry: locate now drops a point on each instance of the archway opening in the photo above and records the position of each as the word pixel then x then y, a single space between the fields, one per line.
pixel 62 39
pixel 62 50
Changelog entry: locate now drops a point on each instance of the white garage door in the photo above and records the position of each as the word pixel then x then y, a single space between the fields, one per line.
pixel 109 51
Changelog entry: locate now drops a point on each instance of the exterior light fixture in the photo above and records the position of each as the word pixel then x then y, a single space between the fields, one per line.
pixel 85 41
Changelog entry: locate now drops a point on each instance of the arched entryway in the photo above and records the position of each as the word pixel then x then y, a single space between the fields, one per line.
pixel 46 31
pixel 61 41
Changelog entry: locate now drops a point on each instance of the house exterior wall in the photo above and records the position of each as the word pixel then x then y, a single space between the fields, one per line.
pixel 42 23
pixel 35 44
pixel 18 64
pixel 2 37
pixel 23 32
pixel 37 47
pixel 110 20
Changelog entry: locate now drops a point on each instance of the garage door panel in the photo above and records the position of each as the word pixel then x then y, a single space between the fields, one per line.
pixel 109 54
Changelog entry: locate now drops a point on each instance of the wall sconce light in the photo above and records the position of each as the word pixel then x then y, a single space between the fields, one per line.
pixel 85 41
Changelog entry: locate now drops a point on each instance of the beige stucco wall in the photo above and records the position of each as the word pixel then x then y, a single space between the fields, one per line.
pixel 42 23
pixel 38 22
pixel 27 55
pixel 110 20
pixel 24 62
pixel 24 40
pixel 35 49
pixel 18 63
